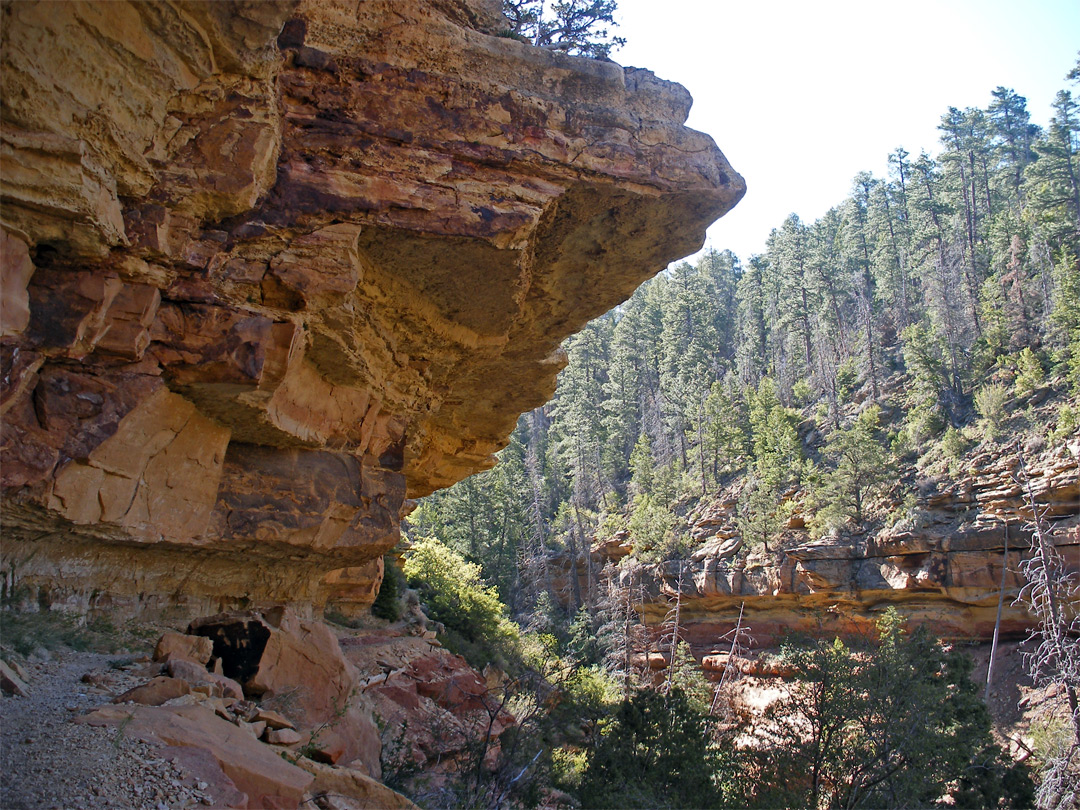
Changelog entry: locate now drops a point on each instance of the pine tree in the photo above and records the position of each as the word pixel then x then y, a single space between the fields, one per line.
pixel 859 466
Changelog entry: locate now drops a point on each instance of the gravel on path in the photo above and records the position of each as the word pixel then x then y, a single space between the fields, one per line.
pixel 50 762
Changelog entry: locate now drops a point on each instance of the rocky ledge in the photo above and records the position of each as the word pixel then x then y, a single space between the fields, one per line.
pixel 270 269
pixel 947 564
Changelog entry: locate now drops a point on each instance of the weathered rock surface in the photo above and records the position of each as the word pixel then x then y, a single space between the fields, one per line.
pixel 268 267
pixel 298 665
pixel 347 789
pixel 432 704
pixel 178 645
pixel 255 769
pixel 942 567
pixel 11 682
pixel 157 691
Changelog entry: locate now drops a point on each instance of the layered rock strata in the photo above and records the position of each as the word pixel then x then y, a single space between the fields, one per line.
pixel 270 268
pixel 947 565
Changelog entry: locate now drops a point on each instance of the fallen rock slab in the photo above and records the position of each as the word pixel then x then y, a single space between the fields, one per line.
pixel 272 719
pixel 158 691
pixel 350 789
pixel 197 675
pixel 256 769
pixel 283 736
pixel 11 683
pixel 297 665
pixel 174 645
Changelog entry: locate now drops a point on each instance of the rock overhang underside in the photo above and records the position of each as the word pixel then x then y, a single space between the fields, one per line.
pixel 272 268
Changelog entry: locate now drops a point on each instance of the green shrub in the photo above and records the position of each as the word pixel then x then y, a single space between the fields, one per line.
pixel 655 752
pixel 953 444
pixel 455 594
pixel 1029 372
pixel 925 420
pixel 990 405
pixel 387 604
pixel 802 393
pixel 847 377
pixel 1068 424
pixel 652 529
pixel 897 723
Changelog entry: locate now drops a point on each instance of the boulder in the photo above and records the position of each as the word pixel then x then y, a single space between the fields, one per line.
pixel 352 790
pixel 156 692
pixel 11 683
pixel 180 645
pixel 296 665
pixel 282 736
pixel 254 768
pixel 272 719
pixel 197 675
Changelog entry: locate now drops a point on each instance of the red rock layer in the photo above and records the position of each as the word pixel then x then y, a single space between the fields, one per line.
pixel 270 267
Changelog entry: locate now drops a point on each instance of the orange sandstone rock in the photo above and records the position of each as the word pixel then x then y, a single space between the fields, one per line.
pixel 271 268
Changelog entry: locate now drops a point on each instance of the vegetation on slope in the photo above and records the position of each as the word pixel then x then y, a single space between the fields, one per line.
pixel 931 314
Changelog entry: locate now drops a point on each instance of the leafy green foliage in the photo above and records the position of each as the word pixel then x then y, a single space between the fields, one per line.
pixel 990 405
pixel 575 26
pixel 652 529
pixel 1029 372
pixel 654 753
pixel 860 466
pixel 454 593
pixel 895 724
pixel 387 603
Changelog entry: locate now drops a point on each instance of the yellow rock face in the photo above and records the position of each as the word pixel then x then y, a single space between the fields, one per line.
pixel 276 266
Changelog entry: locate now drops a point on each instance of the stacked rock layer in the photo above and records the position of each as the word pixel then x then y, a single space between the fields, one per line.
pixel 272 268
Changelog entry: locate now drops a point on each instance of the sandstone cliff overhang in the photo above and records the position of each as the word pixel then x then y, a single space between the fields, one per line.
pixel 270 267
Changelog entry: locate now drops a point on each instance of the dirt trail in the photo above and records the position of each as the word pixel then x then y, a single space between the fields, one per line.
pixel 49 761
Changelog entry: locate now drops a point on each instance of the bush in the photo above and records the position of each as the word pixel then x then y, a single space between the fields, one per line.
pixel 1029 372
pixel 990 405
pixel 925 420
pixel 896 724
pixel 953 444
pixel 847 377
pixel 387 604
pixel 455 594
pixel 655 752
pixel 802 393
pixel 1068 424
pixel 652 529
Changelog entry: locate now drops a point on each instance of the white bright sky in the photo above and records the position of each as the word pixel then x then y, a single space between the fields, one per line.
pixel 800 95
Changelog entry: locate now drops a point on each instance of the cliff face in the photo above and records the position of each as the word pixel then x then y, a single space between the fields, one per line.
pixel 941 567
pixel 272 268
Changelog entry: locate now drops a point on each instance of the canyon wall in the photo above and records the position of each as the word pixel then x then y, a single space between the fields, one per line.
pixel 946 564
pixel 273 268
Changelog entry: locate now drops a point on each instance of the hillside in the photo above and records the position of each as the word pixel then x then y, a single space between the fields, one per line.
pixel 754 458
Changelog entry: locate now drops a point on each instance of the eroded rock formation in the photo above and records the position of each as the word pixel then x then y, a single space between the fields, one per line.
pixel 942 566
pixel 271 268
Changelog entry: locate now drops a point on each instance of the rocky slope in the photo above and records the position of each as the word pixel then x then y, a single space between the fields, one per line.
pixel 246 709
pixel 272 268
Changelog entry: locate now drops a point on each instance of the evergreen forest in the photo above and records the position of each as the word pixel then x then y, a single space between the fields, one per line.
pixel 932 314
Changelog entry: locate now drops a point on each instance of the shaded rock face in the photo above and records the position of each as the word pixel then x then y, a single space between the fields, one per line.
pixel 269 268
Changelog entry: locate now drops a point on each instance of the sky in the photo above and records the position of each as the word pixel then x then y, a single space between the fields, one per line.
pixel 800 96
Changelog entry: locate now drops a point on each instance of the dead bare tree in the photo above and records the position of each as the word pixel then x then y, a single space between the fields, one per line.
pixel 997 621
pixel 740 640
pixel 672 626
pixel 1052 593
